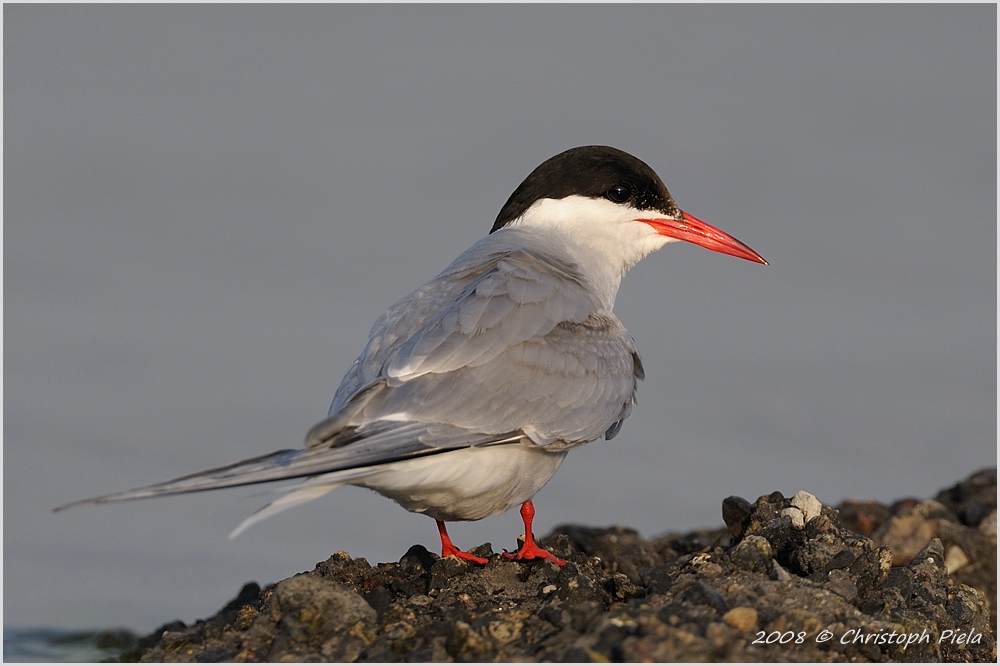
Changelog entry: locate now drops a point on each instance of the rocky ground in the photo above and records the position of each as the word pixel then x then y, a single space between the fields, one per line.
pixel 787 579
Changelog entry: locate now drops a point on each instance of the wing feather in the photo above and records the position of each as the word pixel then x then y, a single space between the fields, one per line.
pixel 518 297
pixel 570 386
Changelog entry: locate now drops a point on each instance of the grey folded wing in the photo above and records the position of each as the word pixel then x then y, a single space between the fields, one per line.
pixel 513 340
pixel 490 298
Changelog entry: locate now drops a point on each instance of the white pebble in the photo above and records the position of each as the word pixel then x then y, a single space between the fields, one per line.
pixel 798 520
pixel 807 504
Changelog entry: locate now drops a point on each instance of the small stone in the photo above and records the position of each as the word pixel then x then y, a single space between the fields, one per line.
pixel 446 570
pixel 807 504
pixel 972 499
pixel 955 559
pixel 174 638
pixel 465 644
pixel 932 553
pixel 736 514
pixel 742 618
pixel 777 572
pixel 798 518
pixel 988 526
pixel 842 586
pixel 752 554
pixel 400 631
pixel 245 617
pixel 965 605
pixel 841 560
pixel 420 600
pixel 505 632
pixel 313 606
pixel 863 516
pixel 901 579
pixel 342 650
pixel 580 589
pixel 418 556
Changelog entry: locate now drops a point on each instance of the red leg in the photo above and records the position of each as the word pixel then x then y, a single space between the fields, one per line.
pixel 448 548
pixel 530 550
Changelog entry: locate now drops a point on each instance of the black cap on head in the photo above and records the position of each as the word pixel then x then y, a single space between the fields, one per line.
pixel 598 172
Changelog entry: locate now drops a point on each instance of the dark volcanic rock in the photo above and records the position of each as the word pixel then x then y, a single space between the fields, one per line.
pixel 786 580
pixel 963 517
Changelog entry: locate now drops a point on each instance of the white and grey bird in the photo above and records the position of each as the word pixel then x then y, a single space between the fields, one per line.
pixel 472 389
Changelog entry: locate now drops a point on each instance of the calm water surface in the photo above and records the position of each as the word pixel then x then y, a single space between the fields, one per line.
pixel 48 645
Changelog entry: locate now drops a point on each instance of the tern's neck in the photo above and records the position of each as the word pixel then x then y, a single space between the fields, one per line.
pixel 600 237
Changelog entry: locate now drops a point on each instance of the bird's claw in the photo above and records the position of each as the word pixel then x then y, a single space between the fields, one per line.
pixel 463 555
pixel 532 552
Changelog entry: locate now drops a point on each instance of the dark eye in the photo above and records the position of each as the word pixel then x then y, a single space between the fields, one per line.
pixel 619 193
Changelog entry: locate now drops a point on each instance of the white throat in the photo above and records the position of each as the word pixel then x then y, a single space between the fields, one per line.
pixel 602 237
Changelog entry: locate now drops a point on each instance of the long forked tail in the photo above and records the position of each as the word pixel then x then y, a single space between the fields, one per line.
pixel 307 492
pixel 271 467
pixel 379 443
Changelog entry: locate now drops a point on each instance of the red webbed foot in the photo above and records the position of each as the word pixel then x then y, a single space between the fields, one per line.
pixel 448 548
pixel 531 550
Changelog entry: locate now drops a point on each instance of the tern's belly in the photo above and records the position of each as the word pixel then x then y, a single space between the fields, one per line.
pixel 468 484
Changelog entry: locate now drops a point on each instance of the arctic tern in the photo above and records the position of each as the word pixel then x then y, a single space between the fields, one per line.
pixel 472 389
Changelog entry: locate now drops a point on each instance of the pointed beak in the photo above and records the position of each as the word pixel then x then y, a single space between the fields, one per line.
pixel 689 228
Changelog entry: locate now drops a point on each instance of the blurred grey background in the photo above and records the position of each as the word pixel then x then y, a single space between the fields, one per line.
pixel 206 207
